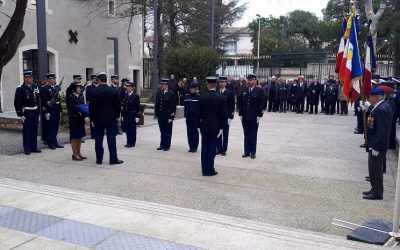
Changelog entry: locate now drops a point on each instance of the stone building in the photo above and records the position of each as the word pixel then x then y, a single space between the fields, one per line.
pixel 76 43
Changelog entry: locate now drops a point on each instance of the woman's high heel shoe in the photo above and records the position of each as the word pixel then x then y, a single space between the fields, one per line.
pixel 76 158
pixel 82 157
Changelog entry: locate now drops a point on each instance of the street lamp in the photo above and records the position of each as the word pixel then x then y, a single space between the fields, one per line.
pixel 212 24
pixel 41 37
pixel 258 44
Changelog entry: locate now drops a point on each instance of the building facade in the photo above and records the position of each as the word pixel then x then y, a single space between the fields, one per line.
pixel 76 43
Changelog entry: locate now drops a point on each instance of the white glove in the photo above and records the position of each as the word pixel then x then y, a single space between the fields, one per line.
pixel 229 121
pixel 92 124
pixel 47 116
pixel 169 120
pixel 198 129
pixel 220 133
pixel 374 153
pixel 137 120
pixel 359 109
pixel 258 119
pixel 23 119
pixel 240 117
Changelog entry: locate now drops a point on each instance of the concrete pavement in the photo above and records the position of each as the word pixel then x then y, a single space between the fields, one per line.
pixel 309 169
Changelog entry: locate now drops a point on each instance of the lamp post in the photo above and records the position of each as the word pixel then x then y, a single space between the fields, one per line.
pixel 212 24
pixel 155 53
pixel 258 44
pixel 43 64
pixel 116 54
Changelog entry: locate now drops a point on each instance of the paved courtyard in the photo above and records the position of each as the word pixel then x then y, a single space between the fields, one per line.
pixel 309 169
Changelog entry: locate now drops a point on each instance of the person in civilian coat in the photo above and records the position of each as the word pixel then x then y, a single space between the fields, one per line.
pixel 131 112
pixel 378 133
pixel 330 99
pixel 76 120
pixel 251 109
pixel 88 96
pixel 273 89
pixel 165 112
pixel 292 94
pixel 222 144
pixel 283 96
pixel 300 95
pixel 104 110
pixel 313 96
pixel 212 119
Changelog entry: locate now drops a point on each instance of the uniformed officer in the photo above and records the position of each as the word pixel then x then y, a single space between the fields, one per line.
pixel 104 109
pixel 130 114
pixel 76 81
pixel 212 119
pixel 165 112
pixel 26 103
pixel 192 110
pixel 222 143
pixel 51 107
pixel 89 91
pixel 378 132
pixel 115 85
pixel 251 109
pixel 330 99
pixel 44 122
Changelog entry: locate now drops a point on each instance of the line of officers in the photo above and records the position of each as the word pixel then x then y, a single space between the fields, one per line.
pixel 106 104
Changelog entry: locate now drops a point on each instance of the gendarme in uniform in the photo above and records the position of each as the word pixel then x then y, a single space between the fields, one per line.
pixel 26 103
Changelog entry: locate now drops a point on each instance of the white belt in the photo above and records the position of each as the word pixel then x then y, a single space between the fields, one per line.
pixel 29 108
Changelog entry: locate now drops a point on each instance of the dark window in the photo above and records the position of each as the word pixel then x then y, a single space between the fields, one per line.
pixel 30 62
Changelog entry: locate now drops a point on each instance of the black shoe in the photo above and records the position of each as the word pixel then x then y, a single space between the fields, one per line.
pixel 99 162
pixel 217 153
pixel 372 196
pixel 253 156
pixel 223 153
pixel 82 141
pixel 52 147
pixel 366 192
pixel 358 133
pixel 119 133
pixel 83 157
pixel 45 142
pixel 194 150
pixel 166 149
pixel 36 151
pixel 74 158
pixel 211 174
pixel 160 148
pixel 27 152
pixel 129 146
pixel 59 146
pixel 116 162
pixel 245 155
pixel 363 146
pixel 367 178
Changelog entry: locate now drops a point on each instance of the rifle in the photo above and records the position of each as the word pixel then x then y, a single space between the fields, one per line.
pixel 84 88
pixel 56 96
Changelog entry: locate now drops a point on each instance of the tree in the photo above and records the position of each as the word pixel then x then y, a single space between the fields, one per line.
pixel 191 61
pixel 12 35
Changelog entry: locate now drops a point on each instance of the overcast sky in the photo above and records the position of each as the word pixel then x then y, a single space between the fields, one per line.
pixel 278 8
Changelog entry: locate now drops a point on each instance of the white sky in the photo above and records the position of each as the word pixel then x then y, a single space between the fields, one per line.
pixel 278 8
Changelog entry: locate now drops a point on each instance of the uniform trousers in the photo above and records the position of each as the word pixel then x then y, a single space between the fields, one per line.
pixel 30 131
pixel 250 129
pixel 166 133
pixel 129 127
pixel 222 141
pixel 54 124
pixel 111 132
pixel 208 152
pixel 192 132
pixel 375 168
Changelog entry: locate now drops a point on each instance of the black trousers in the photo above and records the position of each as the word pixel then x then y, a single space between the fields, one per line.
pixel 129 127
pixel 166 133
pixel 300 105
pixel 222 141
pixel 111 132
pixel 250 129
pixel 344 109
pixel 375 168
pixel 208 152
pixel 313 108
pixel 283 106
pixel 330 108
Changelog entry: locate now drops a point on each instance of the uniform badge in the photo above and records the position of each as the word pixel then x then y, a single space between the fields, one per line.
pixel 370 122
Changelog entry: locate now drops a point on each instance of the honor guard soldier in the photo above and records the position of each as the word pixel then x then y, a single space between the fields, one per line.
pixel 104 109
pixel 251 107
pixel 130 114
pixel 222 144
pixel 44 122
pixel 89 91
pixel 165 112
pixel 191 103
pixel 26 103
pixel 51 107
pixel 378 133
pixel 212 119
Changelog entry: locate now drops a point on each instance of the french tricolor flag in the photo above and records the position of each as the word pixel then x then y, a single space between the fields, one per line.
pixel 342 45
pixel 370 61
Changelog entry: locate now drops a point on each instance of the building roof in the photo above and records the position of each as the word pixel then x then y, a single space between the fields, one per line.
pixel 236 30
